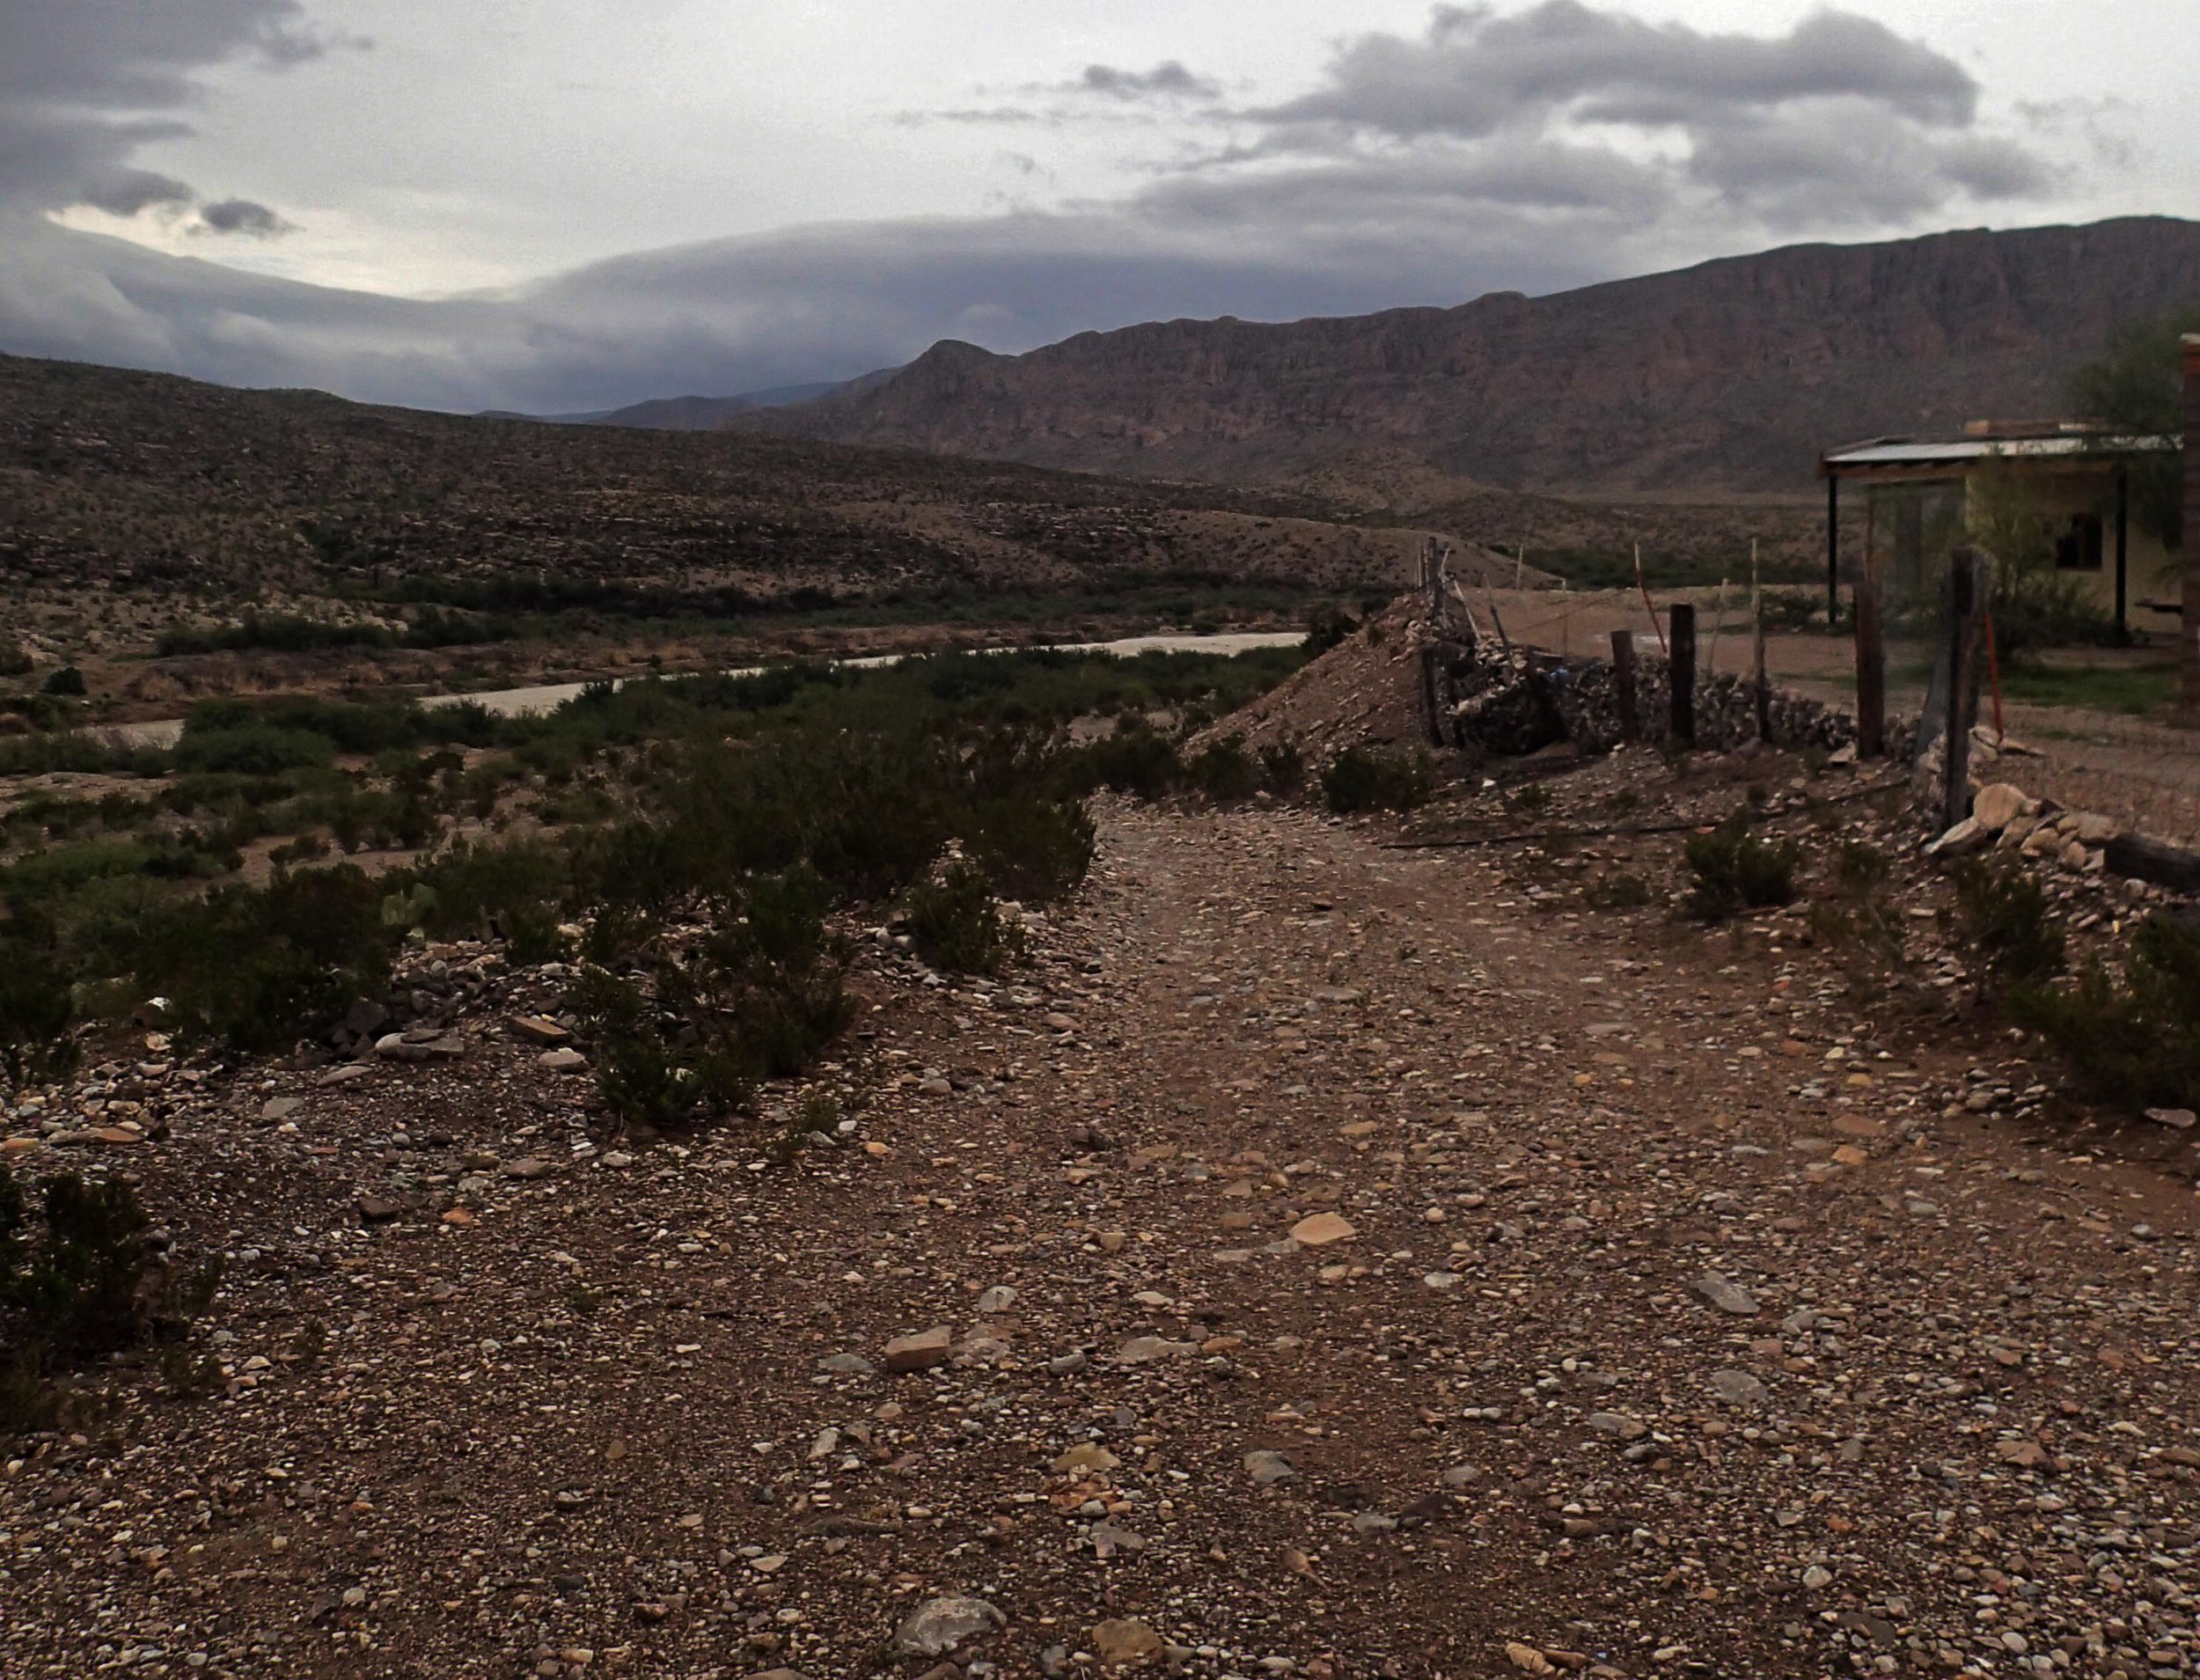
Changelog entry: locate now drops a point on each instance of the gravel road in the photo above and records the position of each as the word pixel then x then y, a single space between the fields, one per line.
pixel 1323 1261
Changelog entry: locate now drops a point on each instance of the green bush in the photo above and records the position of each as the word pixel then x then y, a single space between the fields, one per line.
pixel 955 923
pixel 36 1012
pixel 1035 849
pixel 1133 759
pixel 1617 890
pixel 1361 779
pixel 1860 866
pixel 1283 768
pixel 67 682
pixel 2133 1037
pixel 1224 771
pixel 262 968
pixel 77 1284
pixel 251 750
pixel 1325 627
pixel 681 1039
pixel 1734 870
pixel 2009 922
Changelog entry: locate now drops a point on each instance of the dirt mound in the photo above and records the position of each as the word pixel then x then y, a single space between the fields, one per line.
pixel 1367 689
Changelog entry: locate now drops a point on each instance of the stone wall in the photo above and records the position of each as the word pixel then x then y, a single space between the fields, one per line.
pixel 1514 703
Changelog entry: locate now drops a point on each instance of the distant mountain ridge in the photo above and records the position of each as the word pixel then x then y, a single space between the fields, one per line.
pixel 1730 375
pixel 692 414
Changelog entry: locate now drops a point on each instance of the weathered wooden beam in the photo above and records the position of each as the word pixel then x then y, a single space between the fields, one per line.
pixel 2137 858
pixel 1681 665
pixel 1871 670
pixel 1623 685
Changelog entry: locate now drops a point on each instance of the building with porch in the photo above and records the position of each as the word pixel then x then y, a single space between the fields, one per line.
pixel 1920 496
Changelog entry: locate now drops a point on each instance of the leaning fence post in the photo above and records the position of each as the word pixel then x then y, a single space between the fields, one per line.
pixel 1681 664
pixel 1623 685
pixel 1871 670
pixel 1962 683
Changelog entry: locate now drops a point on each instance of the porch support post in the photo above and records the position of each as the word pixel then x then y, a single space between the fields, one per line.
pixel 2123 545
pixel 1833 549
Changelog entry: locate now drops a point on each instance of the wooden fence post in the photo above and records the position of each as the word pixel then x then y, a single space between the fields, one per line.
pixel 1962 683
pixel 1681 668
pixel 1871 670
pixel 1623 685
pixel 1760 682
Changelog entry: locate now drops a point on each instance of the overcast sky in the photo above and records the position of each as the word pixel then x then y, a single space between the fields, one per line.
pixel 568 203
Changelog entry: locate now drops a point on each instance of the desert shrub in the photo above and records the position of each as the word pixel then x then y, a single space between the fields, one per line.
pixel 260 968
pixel 1325 627
pixel 2009 922
pixel 36 1011
pixel 1734 871
pixel 770 968
pixel 507 890
pixel 1133 759
pixel 1530 798
pixel 2133 1037
pixel 681 1038
pixel 67 682
pixel 1860 866
pixel 955 922
pixel 77 750
pixel 15 661
pixel 1224 771
pixel 251 750
pixel 1283 769
pixel 649 1071
pixel 1361 779
pixel 646 1080
pixel 1035 849
pixel 868 811
pixel 1617 890
pixel 77 1283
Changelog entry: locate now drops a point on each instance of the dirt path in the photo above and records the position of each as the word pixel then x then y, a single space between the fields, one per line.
pixel 1936 1411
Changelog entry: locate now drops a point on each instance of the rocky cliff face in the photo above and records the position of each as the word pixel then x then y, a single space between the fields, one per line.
pixel 1731 376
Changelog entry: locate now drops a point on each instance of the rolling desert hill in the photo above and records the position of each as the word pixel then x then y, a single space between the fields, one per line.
pixel 1729 377
pixel 115 481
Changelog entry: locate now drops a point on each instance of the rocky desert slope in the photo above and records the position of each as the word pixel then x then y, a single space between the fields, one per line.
pixel 1733 375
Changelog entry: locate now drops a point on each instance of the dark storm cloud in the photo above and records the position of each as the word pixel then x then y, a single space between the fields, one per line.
pixel 242 215
pixel 84 82
pixel 1167 79
pixel 127 191
pixel 1473 72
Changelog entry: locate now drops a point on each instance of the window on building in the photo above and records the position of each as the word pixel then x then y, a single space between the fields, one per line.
pixel 2078 548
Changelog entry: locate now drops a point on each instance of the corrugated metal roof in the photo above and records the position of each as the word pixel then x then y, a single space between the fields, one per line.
pixel 1963 451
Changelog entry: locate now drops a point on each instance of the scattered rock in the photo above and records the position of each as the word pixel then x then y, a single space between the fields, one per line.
pixel 1268 1468
pixel 920 1351
pixel 1726 1294
pixel 1124 1644
pixel 1319 1230
pixel 1738 1388
pixel 942 1626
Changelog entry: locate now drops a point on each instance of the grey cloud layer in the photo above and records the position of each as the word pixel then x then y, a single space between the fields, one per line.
pixel 1534 150
pixel 1839 123
pixel 84 82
